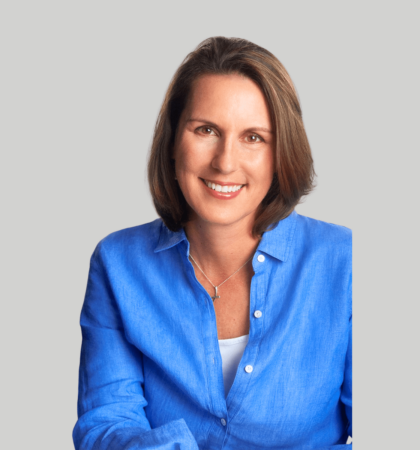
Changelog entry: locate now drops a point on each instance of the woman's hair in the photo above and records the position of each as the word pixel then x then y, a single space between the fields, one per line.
pixel 294 171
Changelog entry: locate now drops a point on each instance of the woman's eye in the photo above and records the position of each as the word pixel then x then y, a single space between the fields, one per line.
pixel 255 138
pixel 205 130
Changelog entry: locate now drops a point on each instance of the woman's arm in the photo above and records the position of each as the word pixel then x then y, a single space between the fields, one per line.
pixel 346 393
pixel 111 401
pixel 347 389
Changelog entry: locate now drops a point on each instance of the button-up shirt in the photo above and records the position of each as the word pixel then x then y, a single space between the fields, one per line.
pixel 151 370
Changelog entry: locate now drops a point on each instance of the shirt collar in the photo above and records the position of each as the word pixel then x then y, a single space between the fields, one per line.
pixel 276 242
pixel 168 238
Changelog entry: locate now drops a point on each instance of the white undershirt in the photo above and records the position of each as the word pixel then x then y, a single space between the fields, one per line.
pixel 231 351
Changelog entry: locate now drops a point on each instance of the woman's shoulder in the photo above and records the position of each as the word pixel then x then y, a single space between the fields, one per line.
pixel 140 238
pixel 328 244
pixel 324 231
pixel 323 238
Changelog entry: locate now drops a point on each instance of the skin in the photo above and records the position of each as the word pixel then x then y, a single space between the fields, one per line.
pixel 224 134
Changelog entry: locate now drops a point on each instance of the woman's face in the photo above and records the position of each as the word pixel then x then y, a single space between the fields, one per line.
pixel 225 140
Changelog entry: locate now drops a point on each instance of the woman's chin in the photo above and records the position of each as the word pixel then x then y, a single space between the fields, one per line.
pixel 217 218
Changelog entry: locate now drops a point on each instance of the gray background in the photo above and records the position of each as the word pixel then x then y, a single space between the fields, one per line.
pixel 81 85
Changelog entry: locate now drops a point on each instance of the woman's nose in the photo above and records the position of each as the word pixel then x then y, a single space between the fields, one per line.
pixel 226 158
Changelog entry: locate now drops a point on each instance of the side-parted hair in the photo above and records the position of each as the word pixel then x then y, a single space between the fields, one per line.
pixel 294 172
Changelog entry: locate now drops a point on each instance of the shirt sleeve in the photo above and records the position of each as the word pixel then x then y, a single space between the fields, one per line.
pixel 111 400
pixel 346 393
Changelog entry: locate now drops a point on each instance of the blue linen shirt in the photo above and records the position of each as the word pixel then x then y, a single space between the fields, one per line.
pixel 151 371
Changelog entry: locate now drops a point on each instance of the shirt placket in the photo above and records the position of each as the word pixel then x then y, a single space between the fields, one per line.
pixel 249 361
pixel 213 362
pixel 224 409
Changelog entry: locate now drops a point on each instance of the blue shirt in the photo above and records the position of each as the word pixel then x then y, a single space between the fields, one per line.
pixel 151 370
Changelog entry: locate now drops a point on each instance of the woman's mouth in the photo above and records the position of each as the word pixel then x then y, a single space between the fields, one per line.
pixel 225 188
pixel 222 192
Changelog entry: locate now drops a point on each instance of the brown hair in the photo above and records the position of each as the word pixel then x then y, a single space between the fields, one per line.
pixel 294 171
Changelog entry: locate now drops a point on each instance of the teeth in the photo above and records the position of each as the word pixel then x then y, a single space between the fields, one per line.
pixel 219 188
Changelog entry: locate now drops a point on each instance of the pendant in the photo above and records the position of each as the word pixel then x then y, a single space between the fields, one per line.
pixel 215 295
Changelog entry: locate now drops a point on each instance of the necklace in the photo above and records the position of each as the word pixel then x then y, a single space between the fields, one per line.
pixel 215 287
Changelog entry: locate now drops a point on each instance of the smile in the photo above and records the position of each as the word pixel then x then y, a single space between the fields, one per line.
pixel 222 191
pixel 224 188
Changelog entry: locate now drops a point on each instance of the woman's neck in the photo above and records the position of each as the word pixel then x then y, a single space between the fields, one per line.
pixel 221 249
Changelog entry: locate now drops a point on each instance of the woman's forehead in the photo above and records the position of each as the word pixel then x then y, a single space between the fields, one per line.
pixel 226 98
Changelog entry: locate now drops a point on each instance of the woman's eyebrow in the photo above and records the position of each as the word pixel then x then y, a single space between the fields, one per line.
pixel 259 129
pixel 192 119
pixel 208 122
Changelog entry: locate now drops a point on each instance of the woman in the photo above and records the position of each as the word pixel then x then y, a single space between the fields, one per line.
pixel 226 323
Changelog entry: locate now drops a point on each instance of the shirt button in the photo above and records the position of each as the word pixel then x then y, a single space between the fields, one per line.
pixel 261 258
pixel 257 314
pixel 223 421
pixel 248 369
